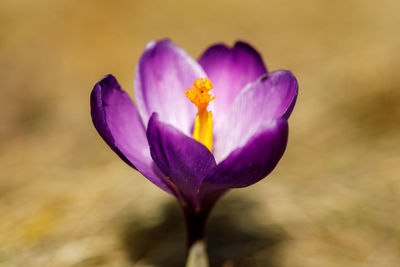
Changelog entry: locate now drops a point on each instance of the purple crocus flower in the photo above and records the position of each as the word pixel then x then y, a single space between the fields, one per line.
pixel 198 154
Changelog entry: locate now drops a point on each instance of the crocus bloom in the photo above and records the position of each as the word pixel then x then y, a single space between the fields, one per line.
pixel 186 141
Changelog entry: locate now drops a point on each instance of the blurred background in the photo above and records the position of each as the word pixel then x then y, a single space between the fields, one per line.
pixel 67 200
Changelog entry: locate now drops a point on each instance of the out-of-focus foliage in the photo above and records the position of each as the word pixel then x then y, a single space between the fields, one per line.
pixel 67 200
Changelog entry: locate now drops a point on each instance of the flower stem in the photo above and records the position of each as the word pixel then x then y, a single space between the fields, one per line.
pixel 195 226
pixel 197 255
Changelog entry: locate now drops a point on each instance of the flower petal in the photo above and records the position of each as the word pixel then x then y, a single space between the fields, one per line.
pixel 117 121
pixel 163 74
pixel 250 163
pixel 259 104
pixel 183 160
pixel 229 70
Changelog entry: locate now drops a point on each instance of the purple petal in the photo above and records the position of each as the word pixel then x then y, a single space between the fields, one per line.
pixel 248 164
pixel 117 121
pixel 163 74
pixel 183 160
pixel 229 70
pixel 257 106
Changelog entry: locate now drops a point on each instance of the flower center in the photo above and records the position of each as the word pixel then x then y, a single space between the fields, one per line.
pixel 199 94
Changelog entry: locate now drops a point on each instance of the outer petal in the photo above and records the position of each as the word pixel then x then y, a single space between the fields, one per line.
pixel 259 104
pixel 183 160
pixel 162 75
pixel 117 121
pixel 229 70
pixel 255 160
pixel 248 164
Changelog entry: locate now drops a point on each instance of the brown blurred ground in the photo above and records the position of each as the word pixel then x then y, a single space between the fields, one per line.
pixel 67 200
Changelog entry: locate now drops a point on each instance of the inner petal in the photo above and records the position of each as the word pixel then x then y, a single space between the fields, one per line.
pixel 162 74
pixel 255 108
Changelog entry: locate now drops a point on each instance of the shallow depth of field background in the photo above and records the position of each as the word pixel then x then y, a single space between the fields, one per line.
pixel 67 200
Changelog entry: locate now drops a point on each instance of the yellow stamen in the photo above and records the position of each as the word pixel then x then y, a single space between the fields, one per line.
pixel 199 94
